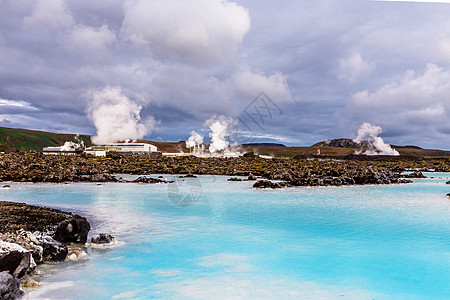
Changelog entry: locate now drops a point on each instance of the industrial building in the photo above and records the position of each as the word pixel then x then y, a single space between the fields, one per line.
pixel 123 148
pixel 102 150
pixel 58 151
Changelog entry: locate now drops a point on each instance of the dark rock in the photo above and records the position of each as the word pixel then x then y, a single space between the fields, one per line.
pixel 15 216
pixel 267 184
pixel 448 195
pixel 102 177
pixel 250 155
pixel 15 259
pixel 416 174
pixel 73 230
pixel 102 238
pixel 28 241
pixel 234 179
pixel 188 176
pixel 143 179
pixel 448 182
pixel 404 181
pixel 52 249
pixel 251 177
pixel 6 186
pixel 10 287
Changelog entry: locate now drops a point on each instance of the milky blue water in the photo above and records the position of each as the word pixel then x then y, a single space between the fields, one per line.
pixel 207 238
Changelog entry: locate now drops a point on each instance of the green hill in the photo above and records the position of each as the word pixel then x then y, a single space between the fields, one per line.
pixel 12 139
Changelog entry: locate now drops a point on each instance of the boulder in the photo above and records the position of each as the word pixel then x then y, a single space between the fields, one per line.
pixel 73 230
pixel 448 182
pixel 188 176
pixel 76 254
pixel 448 195
pixel 28 241
pixel 102 238
pixel 234 179
pixel 10 287
pixel 52 249
pixel 143 179
pixel 416 174
pixel 102 177
pixel 251 177
pixel 15 259
pixel 267 184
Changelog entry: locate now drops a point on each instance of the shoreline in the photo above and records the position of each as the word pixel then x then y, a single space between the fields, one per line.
pixel 36 167
pixel 32 235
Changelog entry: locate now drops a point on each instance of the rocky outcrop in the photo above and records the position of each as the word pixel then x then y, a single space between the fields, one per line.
pixel 42 247
pixel 416 174
pixel 52 249
pixel 102 238
pixel 15 259
pixel 73 230
pixel 235 179
pixel 10 287
pixel 143 179
pixel 15 216
pixel 28 241
pixel 188 176
pixel 267 184
pixel 36 167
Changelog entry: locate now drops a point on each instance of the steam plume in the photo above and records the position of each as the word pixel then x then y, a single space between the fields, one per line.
pixel 71 146
pixel 376 146
pixel 194 139
pixel 221 128
pixel 116 117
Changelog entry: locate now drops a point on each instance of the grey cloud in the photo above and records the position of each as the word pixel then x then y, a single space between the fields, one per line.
pixel 53 52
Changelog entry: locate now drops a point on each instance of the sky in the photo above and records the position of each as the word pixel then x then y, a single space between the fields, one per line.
pixel 291 72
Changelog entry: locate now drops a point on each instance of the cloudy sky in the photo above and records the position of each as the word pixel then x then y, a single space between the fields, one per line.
pixel 325 67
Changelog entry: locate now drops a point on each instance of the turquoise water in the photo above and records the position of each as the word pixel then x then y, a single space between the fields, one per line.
pixel 207 238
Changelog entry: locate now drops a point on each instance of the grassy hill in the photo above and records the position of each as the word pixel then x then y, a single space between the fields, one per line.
pixel 12 139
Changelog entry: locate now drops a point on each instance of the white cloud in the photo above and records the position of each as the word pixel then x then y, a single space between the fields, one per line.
pixel 49 16
pixel 353 67
pixel 16 104
pixel 417 103
pixel 249 84
pixel 91 41
pixel 413 93
pixel 194 31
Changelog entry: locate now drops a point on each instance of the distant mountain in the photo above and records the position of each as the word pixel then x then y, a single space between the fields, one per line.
pixel 263 145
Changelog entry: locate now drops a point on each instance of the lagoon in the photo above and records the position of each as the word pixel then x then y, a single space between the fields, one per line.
pixel 207 238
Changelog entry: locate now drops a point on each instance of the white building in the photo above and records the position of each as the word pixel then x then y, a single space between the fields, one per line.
pixel 58 151
pixel 133 148
pixel 130 147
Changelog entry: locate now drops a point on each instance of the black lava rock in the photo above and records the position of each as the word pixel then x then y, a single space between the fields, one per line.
pixel 73 230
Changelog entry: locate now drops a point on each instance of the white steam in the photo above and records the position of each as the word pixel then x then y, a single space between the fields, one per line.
pixel 72 146
pixel 116 116
pixel 194 139
pixel 376 146
pixel 221 128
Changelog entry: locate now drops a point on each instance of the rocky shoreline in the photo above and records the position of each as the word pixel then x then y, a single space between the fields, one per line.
pixel 300 171
pixel 31 235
